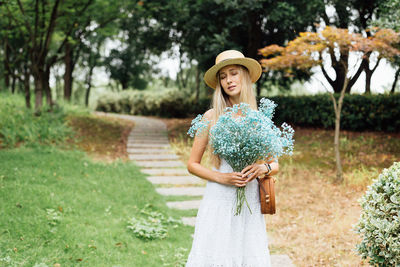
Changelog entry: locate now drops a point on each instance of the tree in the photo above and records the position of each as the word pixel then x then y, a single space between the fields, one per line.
pixel 355 14
pixel 52 31
pixel 390 18
pixel 204 28
pixel 312 48
pixel 90 26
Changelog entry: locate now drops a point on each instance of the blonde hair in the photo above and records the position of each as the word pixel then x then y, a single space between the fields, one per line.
pixel 220 101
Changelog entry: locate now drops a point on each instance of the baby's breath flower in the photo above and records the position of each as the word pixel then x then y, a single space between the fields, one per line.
pixel 242 140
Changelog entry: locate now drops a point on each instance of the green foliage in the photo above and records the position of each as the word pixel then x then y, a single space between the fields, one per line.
pixel 60 207
pixel 178 259
pixel 379 224
pixel 359 112
pixel 163 103
pixel 153 226
pixel 389 15
pixel 19 124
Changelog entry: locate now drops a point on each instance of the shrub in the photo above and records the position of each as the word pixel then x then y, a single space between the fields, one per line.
pixel 170 103
pixel 359 113
pixel 19 124
pixel 153 226
pixel 379 224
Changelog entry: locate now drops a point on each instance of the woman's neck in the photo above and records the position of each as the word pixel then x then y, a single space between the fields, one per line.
pixel 234 100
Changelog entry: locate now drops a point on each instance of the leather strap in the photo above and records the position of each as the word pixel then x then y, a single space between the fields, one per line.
pixel 262 187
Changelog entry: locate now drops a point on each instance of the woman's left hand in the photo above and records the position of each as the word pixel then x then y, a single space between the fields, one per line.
pixel 253 171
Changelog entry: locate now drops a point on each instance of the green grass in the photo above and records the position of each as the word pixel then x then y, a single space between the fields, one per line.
pixel 60 207
pixel 181 198
pixel 19 124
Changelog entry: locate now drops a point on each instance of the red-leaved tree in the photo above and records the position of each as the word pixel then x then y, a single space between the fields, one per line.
pixel 312 49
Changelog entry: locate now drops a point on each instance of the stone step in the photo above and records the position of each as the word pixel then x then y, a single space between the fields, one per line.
pixel 189 221
pixel 160 164
pixel 183 180
pixel 139 157
pixel 166 172
pixel 149 145
pixel 181 191
pixel 148 134
pixel 149 151
pixel 184 205
pixel 148 141
pixel 281 261
pixel 149 130
pixel 147 138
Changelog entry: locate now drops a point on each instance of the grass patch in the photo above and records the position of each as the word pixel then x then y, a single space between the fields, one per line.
pixel 181 198
pixel 67 192
pixel 185 213
pixel 61 207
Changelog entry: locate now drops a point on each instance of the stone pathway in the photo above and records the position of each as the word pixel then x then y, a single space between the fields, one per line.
pixel 149 147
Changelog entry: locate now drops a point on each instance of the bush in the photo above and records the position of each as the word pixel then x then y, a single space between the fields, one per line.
pixel 19 124
pixel 170 103
pixel 379 224
pixel 359 113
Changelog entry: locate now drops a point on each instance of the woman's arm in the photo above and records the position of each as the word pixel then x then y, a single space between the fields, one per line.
pixel 195 168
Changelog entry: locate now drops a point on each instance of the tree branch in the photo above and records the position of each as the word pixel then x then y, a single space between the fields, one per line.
pixel 51 27
pixel 21 8
pixel 376 65
pixel 326 75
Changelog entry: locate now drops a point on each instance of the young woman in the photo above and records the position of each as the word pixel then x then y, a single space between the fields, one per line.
pixel 220 238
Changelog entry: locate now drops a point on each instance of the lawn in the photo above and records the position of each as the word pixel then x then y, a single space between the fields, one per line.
pixel 314 218
pixel 69 204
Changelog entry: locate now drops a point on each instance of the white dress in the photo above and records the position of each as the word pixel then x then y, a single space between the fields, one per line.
pixel 224 240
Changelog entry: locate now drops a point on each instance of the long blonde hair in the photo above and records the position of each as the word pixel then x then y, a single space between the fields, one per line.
pixel 220 101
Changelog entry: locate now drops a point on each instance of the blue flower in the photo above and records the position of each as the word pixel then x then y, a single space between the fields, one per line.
pixel 242 140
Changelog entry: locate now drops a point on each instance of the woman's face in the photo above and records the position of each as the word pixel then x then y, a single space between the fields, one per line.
pixel 229 77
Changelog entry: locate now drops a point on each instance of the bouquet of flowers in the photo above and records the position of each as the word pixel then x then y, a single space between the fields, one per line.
pixel 242 140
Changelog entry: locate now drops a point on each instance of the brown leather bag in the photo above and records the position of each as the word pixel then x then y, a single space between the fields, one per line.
pixel 267 194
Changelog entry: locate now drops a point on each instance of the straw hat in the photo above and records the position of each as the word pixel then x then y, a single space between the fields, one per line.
pixel 229 57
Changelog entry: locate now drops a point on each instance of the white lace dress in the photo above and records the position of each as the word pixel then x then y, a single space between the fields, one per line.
pixel 224 240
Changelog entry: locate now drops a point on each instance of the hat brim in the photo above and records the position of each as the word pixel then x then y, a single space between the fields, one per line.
pixel 255 70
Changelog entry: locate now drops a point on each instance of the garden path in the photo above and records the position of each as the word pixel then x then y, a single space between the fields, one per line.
pixel 149 147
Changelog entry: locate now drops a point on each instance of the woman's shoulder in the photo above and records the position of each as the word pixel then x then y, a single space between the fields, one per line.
pixel 209 113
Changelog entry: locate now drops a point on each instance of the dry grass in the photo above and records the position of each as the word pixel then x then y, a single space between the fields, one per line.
pixel 314 218
pixel 104 138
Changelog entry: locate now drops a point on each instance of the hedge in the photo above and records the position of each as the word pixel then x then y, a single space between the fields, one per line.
pixel 359 112
pixel 164 103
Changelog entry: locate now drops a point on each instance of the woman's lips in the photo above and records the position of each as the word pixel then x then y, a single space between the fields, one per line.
pixel 231 87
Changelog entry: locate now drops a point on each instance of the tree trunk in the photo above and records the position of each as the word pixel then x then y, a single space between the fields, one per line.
pixel 89 83
pixel 46 87
pixel 6 65
pixel 368 76
pixel 13 80
pixel 68 72
pixel 396 77
pixel 38 76
pixel 338 110
pixel 27 88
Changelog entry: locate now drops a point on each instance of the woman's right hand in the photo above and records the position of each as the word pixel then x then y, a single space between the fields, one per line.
pixel 232 178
